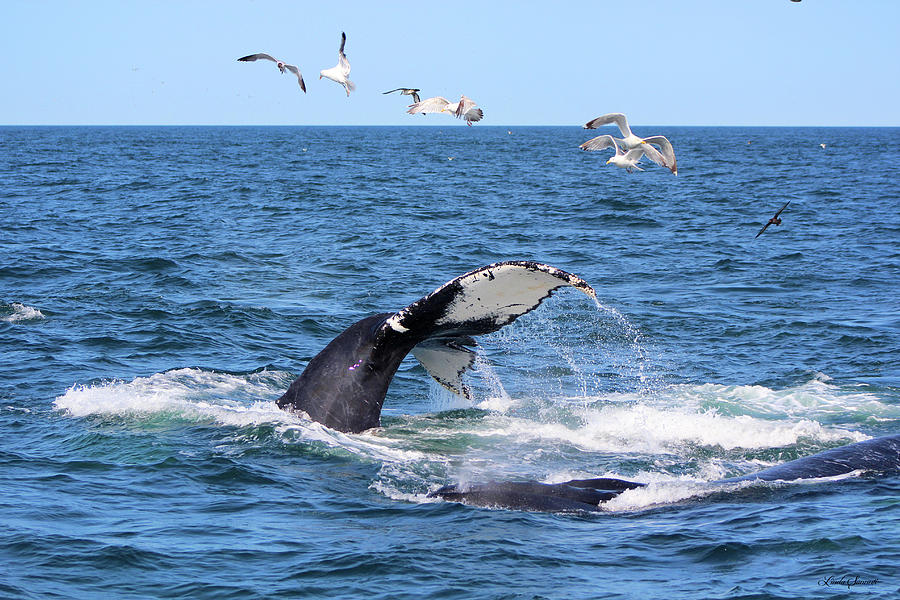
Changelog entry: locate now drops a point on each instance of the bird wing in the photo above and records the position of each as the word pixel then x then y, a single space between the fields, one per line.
pixel 415 97
pixel 761 230
pixel 394 90
pixel 296 72
pixel 429 105
pixel 781 209
pixel 473 115
pixel 252 57
pixel 464 106
pixel 343 64
pixel 652 153
pixel 635 154
pixel 668 152
pixel 601 142
pixel 617 118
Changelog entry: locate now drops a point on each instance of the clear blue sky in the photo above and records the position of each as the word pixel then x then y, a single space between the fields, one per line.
pixel 716 62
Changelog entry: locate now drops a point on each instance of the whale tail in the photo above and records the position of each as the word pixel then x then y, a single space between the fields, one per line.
pixel 345 384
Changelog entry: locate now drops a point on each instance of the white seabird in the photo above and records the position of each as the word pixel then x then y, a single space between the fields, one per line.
pixel 464 109
pixel 414 92
pixel 629 141
pixel 339 73
pixel 282 66
pixel 624 160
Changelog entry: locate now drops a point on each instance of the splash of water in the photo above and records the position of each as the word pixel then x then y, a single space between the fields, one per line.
pixel 21 312
pixel 568 355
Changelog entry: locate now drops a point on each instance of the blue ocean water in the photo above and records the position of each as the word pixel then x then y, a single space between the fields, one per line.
pixel 160 287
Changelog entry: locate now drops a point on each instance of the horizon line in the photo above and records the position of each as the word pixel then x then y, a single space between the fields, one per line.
pixel 422 125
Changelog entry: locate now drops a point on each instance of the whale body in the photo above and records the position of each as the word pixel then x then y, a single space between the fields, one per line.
pixel 344 386
pixel 880 455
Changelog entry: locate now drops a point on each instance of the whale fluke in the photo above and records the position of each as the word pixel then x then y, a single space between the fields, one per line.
pixel 344 385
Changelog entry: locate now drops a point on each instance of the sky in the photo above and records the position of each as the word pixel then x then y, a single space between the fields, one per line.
pixel 662 62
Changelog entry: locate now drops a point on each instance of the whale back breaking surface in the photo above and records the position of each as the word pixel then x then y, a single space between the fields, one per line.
pixel 881 455
pixel 877 454
pixel 344 386
pixel 577 494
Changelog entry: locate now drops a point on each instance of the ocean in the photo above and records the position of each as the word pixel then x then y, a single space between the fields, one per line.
pixel 160 287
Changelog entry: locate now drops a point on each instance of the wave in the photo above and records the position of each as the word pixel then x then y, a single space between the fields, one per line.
pixel 679 439
pixel 187 394
pixel 15 312
pixel 204 397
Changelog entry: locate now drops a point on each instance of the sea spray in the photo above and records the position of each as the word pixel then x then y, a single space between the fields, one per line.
pixel 16 312
pixel 568 353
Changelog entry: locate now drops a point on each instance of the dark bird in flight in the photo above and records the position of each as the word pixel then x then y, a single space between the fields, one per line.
pixel 774 220
pixel 282 66
pixel 406 92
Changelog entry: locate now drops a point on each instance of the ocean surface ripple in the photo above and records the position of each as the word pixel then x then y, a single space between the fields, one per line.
pixel 160 287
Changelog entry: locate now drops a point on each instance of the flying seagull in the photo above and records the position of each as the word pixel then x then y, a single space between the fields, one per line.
pixel 629 141
pixel 464 109
pixel 406 92
pixel 774 220
pixel 282 66
pixel 339 73
pixel 468 110
pixel 624 160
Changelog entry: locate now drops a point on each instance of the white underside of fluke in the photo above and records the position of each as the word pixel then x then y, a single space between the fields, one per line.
pixel 481 301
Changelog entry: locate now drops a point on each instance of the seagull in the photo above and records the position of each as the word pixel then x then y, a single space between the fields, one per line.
pixel 279 63
pixel 464 109
pixel 406 92
pixel 822 146
pixel 625 160
pixel 339 72
pixel 630 141
pixel 467 109
pixel 774 220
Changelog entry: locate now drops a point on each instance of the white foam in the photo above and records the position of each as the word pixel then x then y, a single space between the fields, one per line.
pixel 386 488
pixel 191 394
pixel 651 429
pixel 208 397
pixel 643 429
pixel 369 444
pixel 566 436
pixel 499 404
pixel 660 493
pixel 22 313
pixel 816 399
